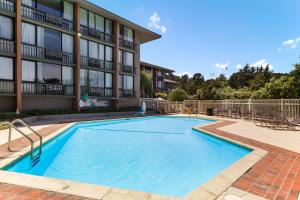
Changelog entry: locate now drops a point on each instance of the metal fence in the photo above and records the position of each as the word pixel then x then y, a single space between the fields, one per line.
pixel 288 107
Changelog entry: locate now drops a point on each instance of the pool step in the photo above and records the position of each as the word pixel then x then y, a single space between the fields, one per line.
pixel 35 159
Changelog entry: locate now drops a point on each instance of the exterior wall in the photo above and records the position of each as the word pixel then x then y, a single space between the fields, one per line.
pixel 18 101
pixel 7 104
pixel 126 103
pixel 46 102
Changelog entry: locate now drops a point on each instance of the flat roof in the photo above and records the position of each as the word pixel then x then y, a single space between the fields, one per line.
pixel 156 66
pixel 145 34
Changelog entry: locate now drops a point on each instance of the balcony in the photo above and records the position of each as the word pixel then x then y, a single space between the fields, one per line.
pixel 96 34
pixel 160 77
pixel 7 6
pixel 37 15
pixel 32 51
pixel 92 62
pixel 127 44
pixel 127 69
pixel 29 88
pixel 96 91
pixel 7 46
pixel 126 93
pixel 7 87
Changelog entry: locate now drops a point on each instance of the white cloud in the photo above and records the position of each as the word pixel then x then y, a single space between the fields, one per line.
pixel 184 73
pixel 154 22
pixel 238 66
pixel 222 66
pixel 262 63
pixel 289 44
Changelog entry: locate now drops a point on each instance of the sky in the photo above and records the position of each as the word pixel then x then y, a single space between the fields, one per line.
pixel 216 36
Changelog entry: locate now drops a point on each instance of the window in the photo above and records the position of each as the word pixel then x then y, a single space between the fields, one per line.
pixel 108 80
pixel 67 43
pixel 127 58
pixel 49 39
pixel 49 73
pixel 53 7
pixel 108 53
pixel 28 71
pixel 99 23
pixel 6 68
pixel 6 27
pixel 68 11
pixel 83 77
pixel 91 20
pixel 93 50
pixel 159 84
pixel 96 79
pixel 158 73
pixel 120 57
pixel 101 52
pixel 67 75
pixel 83 17
pixel 127 34
pixel 128 82
pixel 108 27
pixel 83 47
pixel 28 33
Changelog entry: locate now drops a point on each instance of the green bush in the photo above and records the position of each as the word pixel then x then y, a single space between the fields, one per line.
pixel 178 95
pixel 161 95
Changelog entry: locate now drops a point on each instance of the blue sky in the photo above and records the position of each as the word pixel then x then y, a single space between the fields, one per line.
pixel 216 36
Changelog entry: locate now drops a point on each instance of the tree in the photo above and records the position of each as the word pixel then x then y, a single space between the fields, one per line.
pixel 195 83
pixel 277 88
pixel 178 95
pixel 146 84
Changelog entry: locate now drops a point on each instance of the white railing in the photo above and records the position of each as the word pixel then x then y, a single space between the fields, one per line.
pixel 288 107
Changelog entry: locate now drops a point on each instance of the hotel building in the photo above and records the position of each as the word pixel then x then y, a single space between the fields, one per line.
pixel 159 77
pixel 64 54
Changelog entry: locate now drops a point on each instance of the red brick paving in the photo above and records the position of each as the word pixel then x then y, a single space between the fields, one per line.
pixel 276 176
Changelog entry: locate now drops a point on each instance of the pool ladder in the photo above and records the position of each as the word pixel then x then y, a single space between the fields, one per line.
pixel 34 158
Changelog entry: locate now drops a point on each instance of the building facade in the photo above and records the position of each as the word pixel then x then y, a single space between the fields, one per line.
pixel 159 77
pixel 66 54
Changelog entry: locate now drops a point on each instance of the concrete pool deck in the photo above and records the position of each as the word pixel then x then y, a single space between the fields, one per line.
pixel 270 178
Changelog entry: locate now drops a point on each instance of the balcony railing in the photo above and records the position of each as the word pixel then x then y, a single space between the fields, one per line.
pixel 7 87
pixel 160 77
pixel 126 93
pixel 96 91
pixel 48 54
pixel 127 44
pixel 37 15
pixel 127 69
pixel 47 89
pixel 7 46
pixel 92 62
pixel 96 34
pixel 7 5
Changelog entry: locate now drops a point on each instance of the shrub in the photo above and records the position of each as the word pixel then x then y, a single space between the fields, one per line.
pixel 161 95
pixel 178 95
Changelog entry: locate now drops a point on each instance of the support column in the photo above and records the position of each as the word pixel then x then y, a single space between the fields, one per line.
pixel 18 58
pixel 77 58
pixel 115 100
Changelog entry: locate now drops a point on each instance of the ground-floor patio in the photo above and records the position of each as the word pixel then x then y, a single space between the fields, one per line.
pixel 275 176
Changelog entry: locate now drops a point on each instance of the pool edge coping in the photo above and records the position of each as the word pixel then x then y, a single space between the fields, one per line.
pixel 210 190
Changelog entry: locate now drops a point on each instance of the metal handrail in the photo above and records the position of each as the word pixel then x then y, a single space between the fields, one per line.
pixel 11 125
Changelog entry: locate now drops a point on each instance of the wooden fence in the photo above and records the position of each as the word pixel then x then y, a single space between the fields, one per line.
pixel 289 107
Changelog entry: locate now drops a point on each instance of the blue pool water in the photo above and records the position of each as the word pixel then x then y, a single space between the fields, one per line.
pixel 161 155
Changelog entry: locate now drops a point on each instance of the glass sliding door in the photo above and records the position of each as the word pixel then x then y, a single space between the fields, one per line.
pixel 68 11
pixel 6 28
pixel 83 17
pixel 67 43
pixel 28 77
pixel 99 23
pixel 6 68
pixel 28 33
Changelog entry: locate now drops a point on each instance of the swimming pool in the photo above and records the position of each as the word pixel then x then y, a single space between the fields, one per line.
pixel 161 155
